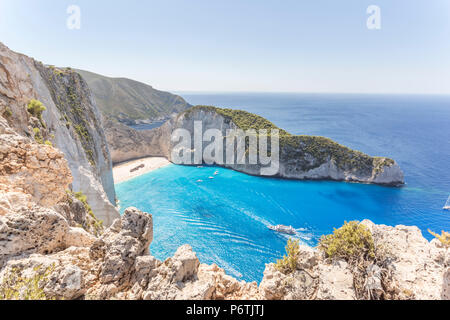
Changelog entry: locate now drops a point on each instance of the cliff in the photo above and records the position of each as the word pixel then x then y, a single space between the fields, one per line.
pixel 301 157
pixel 70 121
pixel 127 144
pixel 130 101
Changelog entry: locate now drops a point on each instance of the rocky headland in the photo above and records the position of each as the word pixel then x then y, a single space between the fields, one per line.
pixel 301 157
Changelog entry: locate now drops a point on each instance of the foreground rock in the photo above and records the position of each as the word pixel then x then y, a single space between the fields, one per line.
pixel 118 265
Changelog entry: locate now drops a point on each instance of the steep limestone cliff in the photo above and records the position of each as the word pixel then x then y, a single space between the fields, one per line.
pixel 301 157
pixel 71 122
pixel 127 144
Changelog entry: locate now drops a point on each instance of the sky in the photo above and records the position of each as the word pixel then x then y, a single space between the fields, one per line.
pixel 245 45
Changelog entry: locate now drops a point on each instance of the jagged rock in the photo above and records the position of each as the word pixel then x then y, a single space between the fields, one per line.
pixel 38 172
pixel 37 230
pixel 418 268
pixel 225 286
pixel 335 281
pixel 127 239
pixel 298 285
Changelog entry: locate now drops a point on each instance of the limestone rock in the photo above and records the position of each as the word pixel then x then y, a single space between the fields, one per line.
pixel 73 124
pixel 419 268
pixel 299 285
pixel 335 282
pixel 37 230
pixel 39 172
pixel 127 239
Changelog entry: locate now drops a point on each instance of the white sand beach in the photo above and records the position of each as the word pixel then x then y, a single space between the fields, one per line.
pixel 132 169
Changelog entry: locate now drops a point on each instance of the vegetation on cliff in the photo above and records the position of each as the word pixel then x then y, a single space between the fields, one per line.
pixel 296 146
pixel 443 238
pixel 7 113
pixel 93 224
pixel 36 108
pixel 350 242
pixel 17 286
pixel 290 261
pixel 72 103
pixel 354 243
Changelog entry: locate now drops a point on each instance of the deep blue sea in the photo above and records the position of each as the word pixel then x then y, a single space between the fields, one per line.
pixel 225 220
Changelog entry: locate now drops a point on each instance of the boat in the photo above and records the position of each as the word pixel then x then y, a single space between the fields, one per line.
pixel 283 229
pixel 216 173
pixel 447 204
pixel 199 180
pixel 211 177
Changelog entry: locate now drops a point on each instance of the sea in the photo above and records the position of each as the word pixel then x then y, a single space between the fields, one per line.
pixel 226 219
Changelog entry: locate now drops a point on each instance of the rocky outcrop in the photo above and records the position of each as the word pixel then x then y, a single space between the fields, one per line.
pixel 71 122
pixel 419 269
pixel 33 179
pixel 37 173
pixel 118 265
pixel 301 157
pixel 414 269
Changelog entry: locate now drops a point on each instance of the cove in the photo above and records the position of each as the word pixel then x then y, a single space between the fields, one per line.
pixel 226 219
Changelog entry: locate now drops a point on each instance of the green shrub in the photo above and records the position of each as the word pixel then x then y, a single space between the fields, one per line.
pixel 350 242
pixel 7 113
pixel 38 136
pixel 95 223
pixel 444 238
pixel 36 108
pixel 289 262
pixel 17 287
pixel 48 143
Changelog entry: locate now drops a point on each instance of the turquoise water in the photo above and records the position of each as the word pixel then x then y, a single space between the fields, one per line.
pixel 225 219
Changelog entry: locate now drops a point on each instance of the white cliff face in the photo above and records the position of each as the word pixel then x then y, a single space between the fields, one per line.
pixel 305 158
pixel 72 123
pixel 127 144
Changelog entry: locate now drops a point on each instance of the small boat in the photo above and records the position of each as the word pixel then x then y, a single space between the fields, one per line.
pixel 447 204
pixel 283 229
pixel 199 180
pixel 216 173
pixel 211 177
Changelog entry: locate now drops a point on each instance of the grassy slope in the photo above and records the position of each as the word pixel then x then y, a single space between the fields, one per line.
pixel 123 99
pixel 293 146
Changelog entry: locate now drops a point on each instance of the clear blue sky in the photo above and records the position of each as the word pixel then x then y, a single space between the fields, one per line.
pixel 245 45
